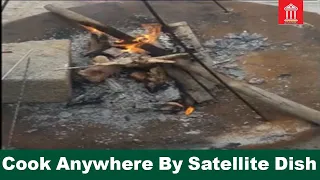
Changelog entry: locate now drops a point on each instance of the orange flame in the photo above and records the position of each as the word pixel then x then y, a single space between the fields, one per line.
pixel 153 30
pixel 189 110
pixel 93 30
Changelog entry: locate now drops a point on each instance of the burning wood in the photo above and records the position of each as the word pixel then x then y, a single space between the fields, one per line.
pixel 99 40
pixel 94 31
pixel 140 44
pixel 153 30
pixel 175 106
pixel 88 22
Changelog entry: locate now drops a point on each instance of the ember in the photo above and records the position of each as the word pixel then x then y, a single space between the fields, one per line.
pixel 189 110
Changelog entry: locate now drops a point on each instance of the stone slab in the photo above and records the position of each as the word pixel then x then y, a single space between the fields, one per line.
pixel 44 84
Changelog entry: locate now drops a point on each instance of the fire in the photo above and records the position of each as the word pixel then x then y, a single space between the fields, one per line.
pixel 93 30
pixel 189 110
pixel 153 32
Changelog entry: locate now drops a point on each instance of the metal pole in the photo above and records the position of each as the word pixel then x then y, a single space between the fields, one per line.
pixel 20 98
pixel 4 5
pixel 176 39
pixel 220 5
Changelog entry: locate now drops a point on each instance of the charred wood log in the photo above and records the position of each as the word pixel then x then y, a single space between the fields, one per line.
pixel 97 44
pixel 86 21
pixel 191 86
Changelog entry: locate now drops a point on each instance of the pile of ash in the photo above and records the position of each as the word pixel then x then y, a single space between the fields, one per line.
pixel 119 102
pixel 122 102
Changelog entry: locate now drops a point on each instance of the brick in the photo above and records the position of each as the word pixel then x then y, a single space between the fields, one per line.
pixel 44 84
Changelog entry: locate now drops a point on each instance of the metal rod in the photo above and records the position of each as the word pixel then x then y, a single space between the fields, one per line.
pixel 4 5
pixel 20 98
pixel 220 5
pixel 176 39
pixel 14 66
pixel 166 28
pixel 202 85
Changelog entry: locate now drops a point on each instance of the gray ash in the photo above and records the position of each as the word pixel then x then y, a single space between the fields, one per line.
pixel 236 44
pixel 125 104
pixel 79 45
pixel 224 51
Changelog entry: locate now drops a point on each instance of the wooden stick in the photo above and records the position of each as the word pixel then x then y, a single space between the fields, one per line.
pixel 7 52
pixel 75 67
pixel 275 101
pixel 128 62
pixel 173 56
pixel 132 62
pixel 278 102
pixel 188 82
pixel 86 21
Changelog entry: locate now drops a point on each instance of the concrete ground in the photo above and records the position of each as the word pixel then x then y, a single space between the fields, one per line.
pixel 309 5
pixel 20 9
pixel 314 143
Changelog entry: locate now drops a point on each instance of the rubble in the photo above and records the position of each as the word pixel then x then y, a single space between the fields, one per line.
pixel 256 81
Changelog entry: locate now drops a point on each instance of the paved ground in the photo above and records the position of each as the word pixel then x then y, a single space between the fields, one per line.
pixel 309 5
pixel 315 142
pixel 21 9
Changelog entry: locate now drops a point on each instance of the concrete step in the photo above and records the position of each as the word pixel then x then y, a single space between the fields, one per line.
pixel 44 84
